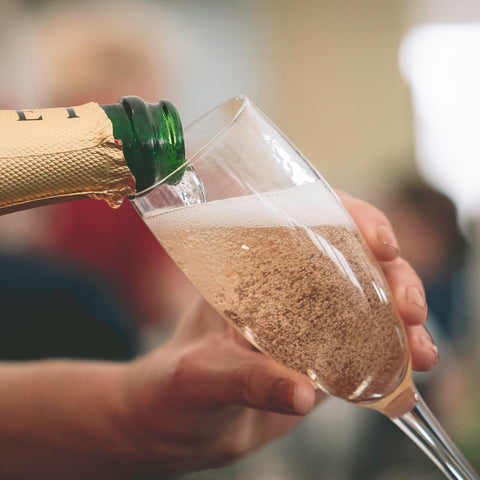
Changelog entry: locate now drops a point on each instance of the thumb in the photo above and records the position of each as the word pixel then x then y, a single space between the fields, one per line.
pixel 237 376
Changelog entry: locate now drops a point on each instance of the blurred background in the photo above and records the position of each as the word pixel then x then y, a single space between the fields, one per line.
pixel 382 97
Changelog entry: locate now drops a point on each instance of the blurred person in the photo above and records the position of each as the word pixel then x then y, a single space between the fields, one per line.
pixel 202 399
pixel 50 309
pixel 430 237
pixel 426 224
pixel 94 51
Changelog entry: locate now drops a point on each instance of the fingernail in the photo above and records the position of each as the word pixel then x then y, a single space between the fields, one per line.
pixel 385 237
pixel 428 342
pixel 435 354
pixel 415 297
pixel 282 395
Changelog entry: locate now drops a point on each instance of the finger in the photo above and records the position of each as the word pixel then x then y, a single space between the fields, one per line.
pixel 271 425
pixel 263 384
pixel 256 427
pixel 423 351
pixel 407 291
pixel 373 225
pixel 229 374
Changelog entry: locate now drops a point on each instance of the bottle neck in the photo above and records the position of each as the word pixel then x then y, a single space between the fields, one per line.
pixel 152 138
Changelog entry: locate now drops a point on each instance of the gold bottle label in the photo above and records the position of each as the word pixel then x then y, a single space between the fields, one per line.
pixel 54 154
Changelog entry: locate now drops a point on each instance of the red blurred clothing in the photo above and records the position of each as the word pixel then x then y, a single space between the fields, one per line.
pixel 114 243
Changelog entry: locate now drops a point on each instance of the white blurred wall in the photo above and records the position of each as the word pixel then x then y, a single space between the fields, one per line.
pixel 326 72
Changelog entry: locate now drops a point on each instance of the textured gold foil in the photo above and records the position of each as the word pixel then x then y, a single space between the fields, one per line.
pixel 55 154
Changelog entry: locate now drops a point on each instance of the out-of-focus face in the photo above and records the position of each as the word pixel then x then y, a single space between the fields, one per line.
pixel 83 51
pixel 103 71
pixel 421 243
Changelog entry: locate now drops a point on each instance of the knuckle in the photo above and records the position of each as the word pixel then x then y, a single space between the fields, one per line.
pixel 243 380
pixel 236 447
pixel 410 274
pixel 183 368
pixel 343 195
pixel 405 264
pixel 366 207
pixel 382 219
pixel 353 204
pixel 402 265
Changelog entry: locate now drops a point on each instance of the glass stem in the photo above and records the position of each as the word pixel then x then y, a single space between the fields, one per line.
pixel 423 428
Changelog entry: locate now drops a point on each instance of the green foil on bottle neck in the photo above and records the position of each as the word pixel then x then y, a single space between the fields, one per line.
pixel 152 138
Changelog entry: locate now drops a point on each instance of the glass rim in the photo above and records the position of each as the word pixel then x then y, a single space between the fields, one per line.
pixel 244 103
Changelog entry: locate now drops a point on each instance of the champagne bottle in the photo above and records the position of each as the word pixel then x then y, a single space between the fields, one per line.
pixel 89 151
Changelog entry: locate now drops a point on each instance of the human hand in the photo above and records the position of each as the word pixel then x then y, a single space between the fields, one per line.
pixel 206 397
pixel 406 286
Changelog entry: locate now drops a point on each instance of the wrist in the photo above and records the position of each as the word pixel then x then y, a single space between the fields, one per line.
pixel 144 416
pixel 70 417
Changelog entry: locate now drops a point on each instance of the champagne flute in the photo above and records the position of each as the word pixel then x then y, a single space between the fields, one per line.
pixel 268 243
